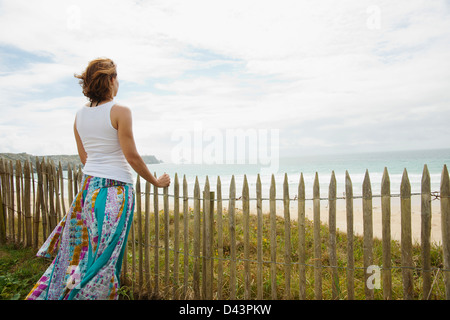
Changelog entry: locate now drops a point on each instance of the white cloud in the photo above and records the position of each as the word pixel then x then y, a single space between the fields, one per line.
pixel 287 64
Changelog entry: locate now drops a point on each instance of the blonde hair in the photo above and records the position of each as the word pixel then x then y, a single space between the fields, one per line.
pixel 95 80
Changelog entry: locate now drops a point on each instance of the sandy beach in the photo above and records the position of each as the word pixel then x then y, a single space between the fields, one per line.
pixel 341 216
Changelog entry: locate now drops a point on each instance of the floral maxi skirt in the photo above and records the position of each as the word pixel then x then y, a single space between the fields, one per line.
pixel 89 243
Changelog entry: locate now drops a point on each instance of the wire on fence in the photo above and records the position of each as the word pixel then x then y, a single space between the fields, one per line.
pixel 292 263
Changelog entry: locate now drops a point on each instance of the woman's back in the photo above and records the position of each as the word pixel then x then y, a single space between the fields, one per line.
pixel 104 154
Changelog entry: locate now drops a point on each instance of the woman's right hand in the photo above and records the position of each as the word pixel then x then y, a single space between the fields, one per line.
pixel 163 181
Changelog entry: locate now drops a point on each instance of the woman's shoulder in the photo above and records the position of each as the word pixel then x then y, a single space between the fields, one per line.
pixel 120 113
pixel 120 108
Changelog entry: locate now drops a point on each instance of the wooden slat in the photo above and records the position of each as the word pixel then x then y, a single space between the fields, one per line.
pixel 219 240
pixel 211 238
pixel 37 215
pixel 350 242
pixel 426 232
pixel 75 182
pixel 406 240
pixel 124 272
pixel 19 202
pixel 11 201
pixel 186 217
pixel 273 239
pixel 69 184
pixel 246 216
pixel 287 239
pixel 232 232
pixel 57 194
pixel 259 271
pixel 147 240
pixel 203 245
pixel 61 181
pixel 176 217
pixel 386 234
pixel 166 241
pixel 45 211
pixel 332 236
pixel 33 201
pixel 138 214
pixel 6 197
pixel 2 217
pixel 3 203
pixel 206 276
pixel 133 254
pixel 156 219
pixel 368 233
pixel 301 238
pixel 27 205
pixel 79 177
pixel 317 240
pixel 196 280
pixel 51 196
pixel 445 228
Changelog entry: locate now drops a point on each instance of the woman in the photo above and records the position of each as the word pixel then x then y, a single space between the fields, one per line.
pixel 89 242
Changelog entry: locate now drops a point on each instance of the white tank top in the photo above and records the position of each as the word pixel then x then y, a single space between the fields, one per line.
pixel 105 158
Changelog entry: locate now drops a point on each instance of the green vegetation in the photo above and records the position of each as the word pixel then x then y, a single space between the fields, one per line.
pixel 438 291
pixel 20 269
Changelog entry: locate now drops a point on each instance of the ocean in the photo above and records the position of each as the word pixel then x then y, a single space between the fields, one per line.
pixel 356 164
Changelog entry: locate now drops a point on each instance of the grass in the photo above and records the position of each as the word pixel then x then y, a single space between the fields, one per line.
pixel 20 268
pixel 167 287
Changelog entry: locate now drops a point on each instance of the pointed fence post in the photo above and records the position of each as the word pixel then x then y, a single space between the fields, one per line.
pixel 147 239
pixel 332 236
pixel 232 232
pixel 156 253
pixel 259 271
pixel 386 234
pixel 219 240
pixel 186 218
pixel 69 184
pixel 11 201
pixel 19 188
pixel 246 216
pixel 61 178
pixel 445 228
pixel 350 254
pixel 426 232
pixel 287 239
pixel 139 233
pixel 176 217
pixel 2 219
pixel 45 207
pixel 196 239
pixel 27 204
pixel 207 274
pixel 273 239
pixel 406 241
pixel 166 240
pixel 317 241
pixel 37 215
pixel 368 234
pixel 301 239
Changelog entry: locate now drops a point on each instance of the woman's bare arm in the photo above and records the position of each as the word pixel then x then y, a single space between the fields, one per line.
pixel 121 119
pixel 81 152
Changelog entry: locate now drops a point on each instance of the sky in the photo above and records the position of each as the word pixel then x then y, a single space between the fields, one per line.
pixel 318 77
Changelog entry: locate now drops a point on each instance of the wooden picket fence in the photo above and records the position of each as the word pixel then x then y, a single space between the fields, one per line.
pixel 206 252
